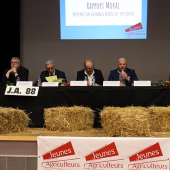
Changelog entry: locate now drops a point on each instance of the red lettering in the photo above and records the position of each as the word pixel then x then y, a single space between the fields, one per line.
pixel 147 155
pixel 103 154
pixel 60 153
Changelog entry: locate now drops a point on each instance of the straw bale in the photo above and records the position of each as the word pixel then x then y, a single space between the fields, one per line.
pixel 12 120
pixel 73 118
pixel 159 118
pixel 125 122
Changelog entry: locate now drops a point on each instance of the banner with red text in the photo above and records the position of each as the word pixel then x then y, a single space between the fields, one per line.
pixel 103 153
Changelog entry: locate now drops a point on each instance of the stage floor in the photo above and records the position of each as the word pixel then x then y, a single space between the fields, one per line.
pixel 30 134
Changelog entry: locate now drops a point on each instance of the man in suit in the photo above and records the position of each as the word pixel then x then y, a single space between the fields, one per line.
pixel 123 74
pixel 90 73
pixel 11 74
pixel 50 71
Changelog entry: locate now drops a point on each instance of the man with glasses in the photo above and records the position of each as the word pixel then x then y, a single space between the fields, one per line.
pixel 50 71
pixel 11 74
pixel 89 73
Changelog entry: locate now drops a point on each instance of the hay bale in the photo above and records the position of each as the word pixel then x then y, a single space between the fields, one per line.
pixel 12 120
pixel 125 122
pixel 159 118
pixel 74 118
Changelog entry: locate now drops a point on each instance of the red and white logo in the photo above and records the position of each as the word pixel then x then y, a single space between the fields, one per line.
pixel 107 151
pixel 135 27
pixel 150 152
pixel 63 150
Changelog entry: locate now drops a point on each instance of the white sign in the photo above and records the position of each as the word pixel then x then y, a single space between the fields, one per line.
pixel 78 83
pixel 103 12
pixel 111 83
pixel 47 84
pixel 142 83
pixel 103 153
pixel 21 91
pixel 24 83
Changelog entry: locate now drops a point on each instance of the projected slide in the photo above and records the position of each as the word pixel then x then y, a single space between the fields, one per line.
pixel 103 19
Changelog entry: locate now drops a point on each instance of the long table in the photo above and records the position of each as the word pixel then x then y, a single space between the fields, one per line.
pixel 94 97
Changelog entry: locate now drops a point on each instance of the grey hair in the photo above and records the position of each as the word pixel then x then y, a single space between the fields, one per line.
pixel 49 62
pixel 121 58
pixel 16 58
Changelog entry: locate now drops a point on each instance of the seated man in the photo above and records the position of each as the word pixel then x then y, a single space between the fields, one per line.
pixel 51 71
pixel 90 72
pixel 11 74
pixel 123 74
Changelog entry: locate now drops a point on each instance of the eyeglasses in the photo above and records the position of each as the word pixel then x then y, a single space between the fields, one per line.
pixel 50 68
pixel 89 68
pixel 14 62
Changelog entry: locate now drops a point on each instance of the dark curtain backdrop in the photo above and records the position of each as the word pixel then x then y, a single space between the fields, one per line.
pixel 10 32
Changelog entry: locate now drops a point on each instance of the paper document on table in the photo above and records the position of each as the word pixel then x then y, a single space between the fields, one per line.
pixel 52 79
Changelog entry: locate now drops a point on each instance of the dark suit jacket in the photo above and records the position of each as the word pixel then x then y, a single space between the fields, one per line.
pixel 98 76
pixel 22 74
pixel 114 76
pixel 60 74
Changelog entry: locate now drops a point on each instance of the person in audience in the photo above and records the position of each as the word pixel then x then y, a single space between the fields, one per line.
pixel 89 73
pixel 16 71
pixel 50 71
pixel 123 74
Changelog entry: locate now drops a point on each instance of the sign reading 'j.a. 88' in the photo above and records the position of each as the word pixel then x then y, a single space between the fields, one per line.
pixel 81 153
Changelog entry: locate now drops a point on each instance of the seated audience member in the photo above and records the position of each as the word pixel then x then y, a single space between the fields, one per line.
pixel 11 74
pixel 90 72
pixel 50 71
pixel 123 74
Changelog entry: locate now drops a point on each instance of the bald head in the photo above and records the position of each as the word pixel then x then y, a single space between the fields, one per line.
pixel 122 64
pixel 88 66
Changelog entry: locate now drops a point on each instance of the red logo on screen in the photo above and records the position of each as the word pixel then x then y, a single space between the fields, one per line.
pixel 150 152
pixel 63 150
pixel 106 151
pixel 135 27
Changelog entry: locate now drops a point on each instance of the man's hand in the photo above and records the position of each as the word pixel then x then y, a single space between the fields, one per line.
pixel 125 76
pixel 12 70
pixel 9 72
pixel 96 84
pixel 88 83
pixel 121 84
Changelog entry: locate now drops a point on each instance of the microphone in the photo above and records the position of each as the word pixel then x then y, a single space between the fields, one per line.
pixel 123 71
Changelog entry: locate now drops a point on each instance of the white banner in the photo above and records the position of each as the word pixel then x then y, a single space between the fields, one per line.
pixel 103 153
pixel 103 12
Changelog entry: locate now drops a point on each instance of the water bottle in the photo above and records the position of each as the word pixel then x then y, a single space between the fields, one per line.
pixel 18 79
pixel 93 81
pixel 39 81
pixel 85 78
